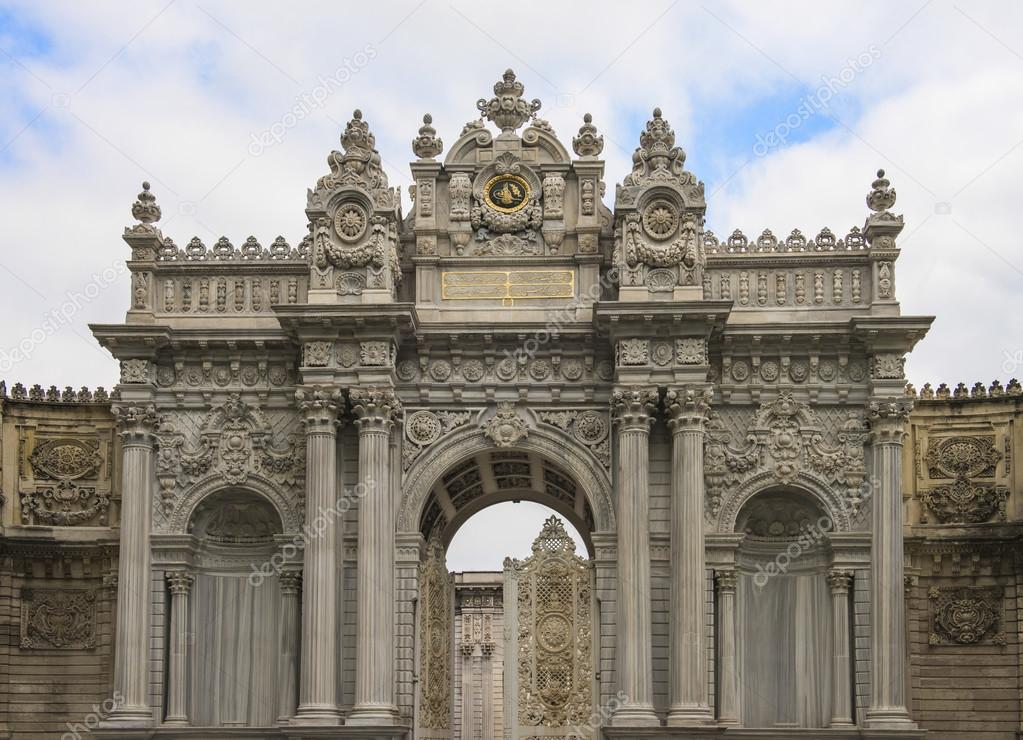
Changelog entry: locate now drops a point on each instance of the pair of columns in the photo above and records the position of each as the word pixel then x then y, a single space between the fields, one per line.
pixel 729 712
pixel 686 410
pixel 375 412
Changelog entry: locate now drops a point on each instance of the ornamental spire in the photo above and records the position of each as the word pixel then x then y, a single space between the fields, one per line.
pixel 588 143
pixel 507 108
pixel 427 145
pixel 145 208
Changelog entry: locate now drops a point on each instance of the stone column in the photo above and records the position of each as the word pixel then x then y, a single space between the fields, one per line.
pixel 131 664
pixel 288 639
pixel 375 410
pixel 633 409
pixel 318 680
pixel 841 701
pixel 180 585
pixel 689 703
pixel 888 606
pixel 728 695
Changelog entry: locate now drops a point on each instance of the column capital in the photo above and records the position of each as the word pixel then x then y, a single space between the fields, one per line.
pixel 725 580
pixel 840 581
pixel 136 423
pixel 291 582
pixel 321 406
pixel 633 408
pixel 687 407
pixel 375 409
pixel 887 419
pixel 179 581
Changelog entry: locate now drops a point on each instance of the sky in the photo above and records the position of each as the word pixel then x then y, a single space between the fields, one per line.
pixel 785 111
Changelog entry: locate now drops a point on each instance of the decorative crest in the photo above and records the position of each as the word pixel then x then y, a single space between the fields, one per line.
pixel 427 145
pixel 882 194
pixel 553 538
pixel 145 208
pixel 507 108
pixel 588 143
pixel 506 427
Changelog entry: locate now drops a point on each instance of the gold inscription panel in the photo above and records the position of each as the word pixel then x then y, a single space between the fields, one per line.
pixel 507 286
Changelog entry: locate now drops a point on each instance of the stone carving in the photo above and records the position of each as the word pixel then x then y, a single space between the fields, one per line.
pixel 506 427
pixel 966 616
pixel 423 428
pixel 427 145
pixel 966 502
pixel 589 427
pixel 553 195
pixel 962 457
pixel 350 222
pixel 65 492
pixel 435 639
pixel 375 353
pixel 135 371
pixel 459 191
pixel 317 354
pixel 58 619
pixel 145 210
pixel 884 280
pixel 888 366
pixel 633 352
pixel 507 108
pixel 588 143
pixel 691 351
pixel 555 633
pixel 786 438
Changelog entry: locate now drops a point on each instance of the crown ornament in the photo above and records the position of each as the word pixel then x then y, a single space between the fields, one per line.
pixel 507 109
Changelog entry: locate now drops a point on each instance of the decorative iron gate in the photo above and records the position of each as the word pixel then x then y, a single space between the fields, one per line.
pixel 436 597
pixel 550 682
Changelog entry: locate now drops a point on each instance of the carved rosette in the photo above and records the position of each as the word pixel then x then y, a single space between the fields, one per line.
pixel 375 409
pixel 633 408
pixel 589 427
pixel 423 428
pixel 688 408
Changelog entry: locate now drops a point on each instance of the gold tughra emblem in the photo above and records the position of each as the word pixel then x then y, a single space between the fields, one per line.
pixel 506 193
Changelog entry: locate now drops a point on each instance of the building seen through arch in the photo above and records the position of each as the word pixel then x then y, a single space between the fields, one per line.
pixel 246 537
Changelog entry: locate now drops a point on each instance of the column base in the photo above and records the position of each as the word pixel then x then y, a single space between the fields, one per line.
pixel 175 722
pixel 841 724
pixel 690 716
pixel 635 715
pixel 317 715
pixel 129 717
pixel 373 715
pixel 889 718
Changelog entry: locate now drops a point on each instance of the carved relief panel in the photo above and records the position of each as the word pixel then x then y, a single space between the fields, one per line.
pixel 65 479
pixel 435 641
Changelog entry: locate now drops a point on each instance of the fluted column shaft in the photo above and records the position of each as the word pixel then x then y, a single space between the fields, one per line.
pixel 375 411
pixel 888 605
pixel 180 585
pixel 841 703
pixel 288 640
pixel 633 409
pixel 131 665
pixel 728 695
pixel 689 704
pixel 318 680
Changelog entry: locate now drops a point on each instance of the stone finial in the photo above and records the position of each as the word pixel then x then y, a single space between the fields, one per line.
pixel 882 194
pixel 927 393
pixel 427 145
pixel 588 143
pixel 357 136
pixel 145 209
pixel 657 157
pixel 507 108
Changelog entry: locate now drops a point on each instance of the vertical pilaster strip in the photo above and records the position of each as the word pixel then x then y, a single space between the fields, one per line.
pixel 840 581
pixel 180 585
pixel 728 700
pixel 131 663
pixel 687 410
pixel 888 710
pixel 633 409
pixel 318 682
pixel 288 640
pixel 376 410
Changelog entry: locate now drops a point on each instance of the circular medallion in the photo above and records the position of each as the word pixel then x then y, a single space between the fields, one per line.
pixel 347 355
pixel 193 375
pixel 406 370
pixel 440 370
pixel 798 371
pixel 539 369
pixel 278 375
pixel 604 370
pixel 165 375
pixel 660 219
pixel 222 376
pixel 473 370
pixel 663 353
pixel 506 368
pixel 553 633
pixel 857 371
pixel 506 193
pixel 826 371
pixel 740 370
pixel 571 369
pixel 350 222
pixel 769 370
pixel 590 428
pixel 423 428
pixel 250 375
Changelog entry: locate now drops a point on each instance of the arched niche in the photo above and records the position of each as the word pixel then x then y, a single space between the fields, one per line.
pixel 830 502
pixel 783 610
